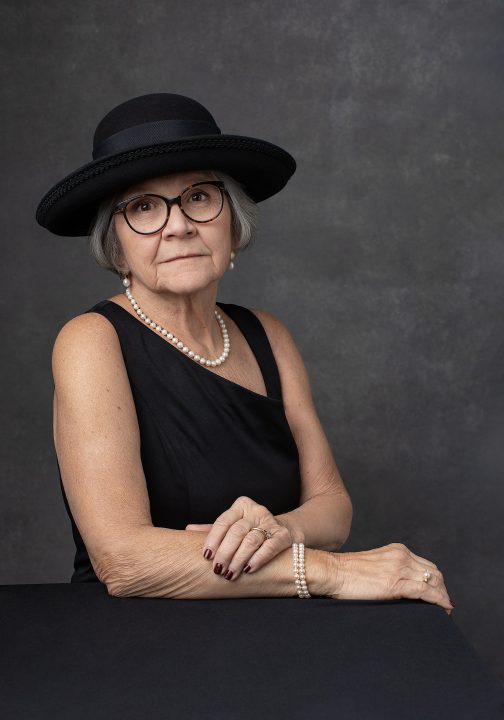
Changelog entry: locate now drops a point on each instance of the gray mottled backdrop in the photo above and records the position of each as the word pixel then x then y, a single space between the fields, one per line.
pixel 384 254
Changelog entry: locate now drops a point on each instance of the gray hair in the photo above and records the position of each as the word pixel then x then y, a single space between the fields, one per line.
pixel 105 246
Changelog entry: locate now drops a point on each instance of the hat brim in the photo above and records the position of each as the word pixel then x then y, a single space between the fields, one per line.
pixel 70 207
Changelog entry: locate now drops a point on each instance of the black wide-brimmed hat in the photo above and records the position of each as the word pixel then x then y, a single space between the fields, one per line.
pixel 151 136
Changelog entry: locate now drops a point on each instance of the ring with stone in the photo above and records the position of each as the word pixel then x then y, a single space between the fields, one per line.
pixel 267 534
pixel 426 576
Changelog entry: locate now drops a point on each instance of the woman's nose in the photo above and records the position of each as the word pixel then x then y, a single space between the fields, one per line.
pixel 178 224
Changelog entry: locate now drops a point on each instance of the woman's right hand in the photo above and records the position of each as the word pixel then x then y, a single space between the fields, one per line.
pixel 390 572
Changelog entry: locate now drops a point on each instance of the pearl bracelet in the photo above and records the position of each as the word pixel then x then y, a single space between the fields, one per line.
pixel 299 570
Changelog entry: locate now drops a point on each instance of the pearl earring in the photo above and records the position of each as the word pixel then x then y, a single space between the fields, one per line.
pixel 231 263
pixel 125 280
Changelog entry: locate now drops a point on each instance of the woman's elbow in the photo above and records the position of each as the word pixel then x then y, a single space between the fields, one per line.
pixel 115 569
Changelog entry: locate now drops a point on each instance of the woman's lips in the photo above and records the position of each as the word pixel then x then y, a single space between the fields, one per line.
pixel 183 257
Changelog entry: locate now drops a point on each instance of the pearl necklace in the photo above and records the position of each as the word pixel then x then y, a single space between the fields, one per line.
pixel 175 340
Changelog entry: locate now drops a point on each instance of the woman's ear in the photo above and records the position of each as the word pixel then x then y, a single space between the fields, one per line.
pixel 122 268
pixel 121 264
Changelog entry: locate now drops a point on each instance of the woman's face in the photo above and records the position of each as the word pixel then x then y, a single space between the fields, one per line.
pixel 185 256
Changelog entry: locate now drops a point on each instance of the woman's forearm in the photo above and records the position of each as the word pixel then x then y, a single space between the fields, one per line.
pixel 321 522
pixel 160 562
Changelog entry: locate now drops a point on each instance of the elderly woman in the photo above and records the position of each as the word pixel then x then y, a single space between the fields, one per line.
pixel 192 460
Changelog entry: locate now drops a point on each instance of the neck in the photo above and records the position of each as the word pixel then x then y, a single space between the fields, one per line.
pixel 190 316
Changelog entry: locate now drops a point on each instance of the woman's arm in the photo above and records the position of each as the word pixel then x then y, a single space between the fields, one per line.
pixel 159 562
pixel 98 446
pixel 324 517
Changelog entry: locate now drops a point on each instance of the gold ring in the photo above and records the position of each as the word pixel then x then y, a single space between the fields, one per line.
pixel 267 533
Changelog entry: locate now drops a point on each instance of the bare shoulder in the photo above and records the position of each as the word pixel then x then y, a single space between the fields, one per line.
pixel 293 374
pixel 83 342
pixel 84 327
pixel 279 336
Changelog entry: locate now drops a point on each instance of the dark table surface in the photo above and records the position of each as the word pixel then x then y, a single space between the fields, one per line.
pixel 73 651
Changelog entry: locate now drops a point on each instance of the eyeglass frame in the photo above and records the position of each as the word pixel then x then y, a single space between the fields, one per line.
pixel 121 207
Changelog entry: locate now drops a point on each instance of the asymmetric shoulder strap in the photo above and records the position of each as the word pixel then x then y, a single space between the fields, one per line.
pixel 255 334
pixel 249 324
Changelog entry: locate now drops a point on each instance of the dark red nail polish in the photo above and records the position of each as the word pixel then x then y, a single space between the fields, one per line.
pixel 247 568
pixel 454 604
pixel 229 575
pixel 218 569
pixel 207 554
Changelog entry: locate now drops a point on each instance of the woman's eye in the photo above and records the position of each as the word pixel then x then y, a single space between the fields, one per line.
pixel 143 206
pixel 198 196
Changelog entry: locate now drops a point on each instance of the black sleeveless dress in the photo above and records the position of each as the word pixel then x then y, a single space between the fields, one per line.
pixel 205 440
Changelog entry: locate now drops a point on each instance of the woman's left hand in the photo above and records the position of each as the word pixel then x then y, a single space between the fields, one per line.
pixel 235 546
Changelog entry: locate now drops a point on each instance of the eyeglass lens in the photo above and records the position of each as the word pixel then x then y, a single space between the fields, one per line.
pixel 149 212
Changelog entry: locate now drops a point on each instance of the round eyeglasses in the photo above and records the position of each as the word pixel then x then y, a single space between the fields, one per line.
pixel 148 213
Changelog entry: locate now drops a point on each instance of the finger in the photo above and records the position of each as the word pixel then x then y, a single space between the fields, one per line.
pixel 431 589
pixel 199 527
pixel 436 579
pixel 436 595
pixel 423 591
pixel 238 533
pixel 255 558
pixel 219 529
pixel 418 568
